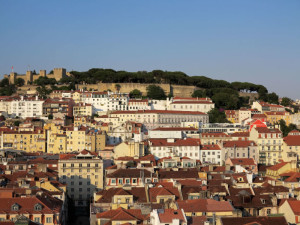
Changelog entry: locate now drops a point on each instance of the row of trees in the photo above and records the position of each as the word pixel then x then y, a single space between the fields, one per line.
pixel 158 76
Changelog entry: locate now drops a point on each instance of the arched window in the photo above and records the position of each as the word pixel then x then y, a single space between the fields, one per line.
pixel 38 207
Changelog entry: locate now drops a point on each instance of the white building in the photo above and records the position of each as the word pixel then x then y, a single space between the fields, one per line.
pixel 160 104
pixel 138 104
pixel 192 104
pixel 212 154
pixel 173 132
pixel 241 149
pixel 29 107
pixel 168 216
pixel 106 101
pixel 188 147
pixel 156 118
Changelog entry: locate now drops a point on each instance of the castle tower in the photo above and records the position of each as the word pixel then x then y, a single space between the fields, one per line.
pixel 42 73
pixel 28 77
pixel 59 73
pixel 12 77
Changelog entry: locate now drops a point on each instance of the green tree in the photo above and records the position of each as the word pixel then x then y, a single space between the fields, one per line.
pixel 43 91
pixel 272 98
pixel 155 92
pixel 198 94
pixel 217 116
pixel 286 129
pixel 17 123
pixel 4 82
pixel 20 82
pixel 285 101
pixel 118 87
pixel 135 93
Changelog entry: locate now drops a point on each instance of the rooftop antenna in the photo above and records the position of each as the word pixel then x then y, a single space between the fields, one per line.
pixel 12 69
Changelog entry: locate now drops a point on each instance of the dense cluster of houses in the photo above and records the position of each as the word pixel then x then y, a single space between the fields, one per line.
pixel 141 161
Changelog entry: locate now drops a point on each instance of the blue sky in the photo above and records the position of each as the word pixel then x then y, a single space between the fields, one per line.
pixel 255 40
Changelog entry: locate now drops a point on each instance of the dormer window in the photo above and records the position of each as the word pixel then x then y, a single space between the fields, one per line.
pixel 38 207
pixel 15 207
pixel 263 201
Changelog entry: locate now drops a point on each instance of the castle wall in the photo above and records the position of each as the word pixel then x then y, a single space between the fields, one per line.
pixel 176 90
pixel 58 73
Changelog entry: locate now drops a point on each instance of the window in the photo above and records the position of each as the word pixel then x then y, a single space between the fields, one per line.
pixel 15 207
pixel 37 219
pixel 268 211
pixel 48 219
pixel 38 207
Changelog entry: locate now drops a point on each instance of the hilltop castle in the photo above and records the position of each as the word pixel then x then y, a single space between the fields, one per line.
pixel 29 77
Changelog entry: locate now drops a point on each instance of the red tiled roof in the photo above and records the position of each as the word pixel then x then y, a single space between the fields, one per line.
pixel 240 134
pixel 263 220
pixel 267 130
pixel 122 214
pixel 243 161
pixel 157 191
pixel 210 147
pixel 295 205
pixel 204 205
pixel 276 113
pixel 292 140
pixel 259 116
pixel 277 166
pixel 169 214
pixel 238 144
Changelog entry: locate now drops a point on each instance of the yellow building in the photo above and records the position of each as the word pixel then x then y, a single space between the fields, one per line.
pixel 95 140
pixel 291 146
pixel 56 139
pixel 275 117
pixel 83 174
pixel 29 141
pixel 76 137
pixel 269 143
pixel 280 168
pixel 82 109
pixel 232 116
pixel 210 208
pixel 131 149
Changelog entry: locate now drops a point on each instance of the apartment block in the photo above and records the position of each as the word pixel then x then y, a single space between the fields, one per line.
pixel 83 174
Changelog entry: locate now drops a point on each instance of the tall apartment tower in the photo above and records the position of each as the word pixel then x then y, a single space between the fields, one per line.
pixel 83 174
